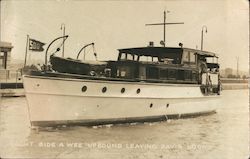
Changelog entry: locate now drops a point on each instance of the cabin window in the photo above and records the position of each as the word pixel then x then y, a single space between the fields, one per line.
pixel 2 60
pixel 123 56
pixel 107 72
pixel 212 60
pixel 135 57
pixel 144 58
pixel 194 76
pixel 1 63
pixel 129 57
pixel 142 72
pixel 123 72
pixel 192 57
pixel 188 75
pixel 126 56
pixel 188 57
pixel 154 59
pixel 181 75
pixel 167 60
pixel 172 74
pixel 185 57
pixel 164 74
pixel 152 73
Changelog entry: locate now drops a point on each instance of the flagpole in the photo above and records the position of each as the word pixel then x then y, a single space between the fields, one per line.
pixel 26 52
pixel 164 29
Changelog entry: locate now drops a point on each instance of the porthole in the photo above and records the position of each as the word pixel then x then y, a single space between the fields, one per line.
pixel 122 90
pixel 104 89
pixel 138 90
pixel 84 88
pixel 151 105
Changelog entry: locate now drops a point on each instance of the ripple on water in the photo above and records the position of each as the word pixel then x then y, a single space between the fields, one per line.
pixel 221 135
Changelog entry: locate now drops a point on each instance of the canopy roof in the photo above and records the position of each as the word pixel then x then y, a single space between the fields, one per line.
pixel 151 51
pixel 163 51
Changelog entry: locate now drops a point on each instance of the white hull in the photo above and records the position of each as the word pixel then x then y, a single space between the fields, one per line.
pixel 57 101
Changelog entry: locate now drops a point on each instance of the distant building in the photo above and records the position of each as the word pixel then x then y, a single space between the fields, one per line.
pixel 5 53
pixel 228 71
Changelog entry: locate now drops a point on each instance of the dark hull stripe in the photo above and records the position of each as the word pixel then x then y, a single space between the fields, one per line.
pixel 93 122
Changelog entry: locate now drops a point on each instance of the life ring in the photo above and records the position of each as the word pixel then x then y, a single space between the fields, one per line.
pixel 92 73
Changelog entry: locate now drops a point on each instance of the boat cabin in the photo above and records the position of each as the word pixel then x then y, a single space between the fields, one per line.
pixel 163 64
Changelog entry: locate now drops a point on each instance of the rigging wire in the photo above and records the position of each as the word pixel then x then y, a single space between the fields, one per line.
pixel 95 54
pixel 56 49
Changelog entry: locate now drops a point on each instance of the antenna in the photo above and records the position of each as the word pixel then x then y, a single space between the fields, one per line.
pixel 63 28
pixel 164 26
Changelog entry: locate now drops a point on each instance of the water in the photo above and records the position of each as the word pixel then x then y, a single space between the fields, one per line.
pixel 224 135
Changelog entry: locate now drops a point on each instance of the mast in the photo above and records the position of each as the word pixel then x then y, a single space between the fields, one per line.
pixel 164 26
pixel 26 50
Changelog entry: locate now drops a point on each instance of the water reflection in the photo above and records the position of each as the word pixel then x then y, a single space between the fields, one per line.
pixel 221 135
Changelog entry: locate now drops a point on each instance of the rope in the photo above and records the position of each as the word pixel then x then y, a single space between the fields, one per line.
pixel 56 49
pixel 166 117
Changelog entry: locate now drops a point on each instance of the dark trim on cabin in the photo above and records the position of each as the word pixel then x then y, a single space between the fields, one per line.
pixel 147 51
pixel 174 66
pixel 75 76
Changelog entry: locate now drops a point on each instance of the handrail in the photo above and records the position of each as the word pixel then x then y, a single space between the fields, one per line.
pixel 84 48
pixel 46 53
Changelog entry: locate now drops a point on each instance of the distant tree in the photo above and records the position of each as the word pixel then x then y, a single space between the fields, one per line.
pixel 244 76
pixel 231 76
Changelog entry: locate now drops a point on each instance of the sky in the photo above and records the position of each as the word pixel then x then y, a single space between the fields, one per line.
pixel 112 25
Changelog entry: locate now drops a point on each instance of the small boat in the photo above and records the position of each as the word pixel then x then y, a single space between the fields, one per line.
pixel 74 66
pixel 130 91
pixel 144 84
